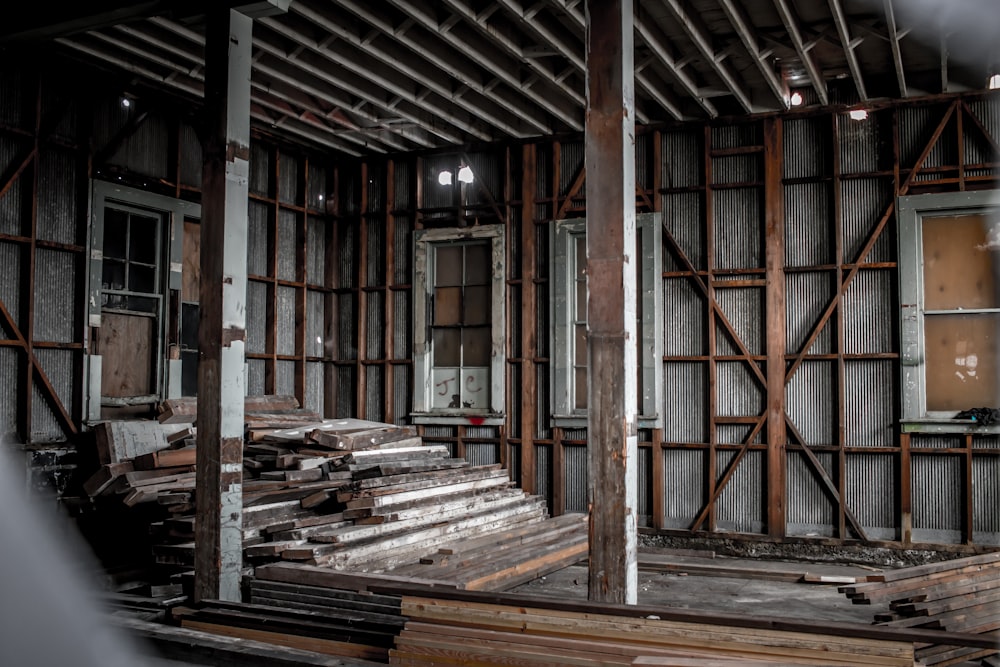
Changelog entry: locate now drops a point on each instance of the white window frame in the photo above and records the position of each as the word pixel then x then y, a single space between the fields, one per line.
pixel 910 212
pixel 650 330
pixel 425 241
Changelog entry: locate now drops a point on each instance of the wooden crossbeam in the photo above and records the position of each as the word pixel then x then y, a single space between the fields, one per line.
pixel 574 189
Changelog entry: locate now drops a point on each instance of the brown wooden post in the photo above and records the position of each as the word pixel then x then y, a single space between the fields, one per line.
pixel 774 239
pixel 388 381
pixel 611 302
pixel 222 330
pixel 529 318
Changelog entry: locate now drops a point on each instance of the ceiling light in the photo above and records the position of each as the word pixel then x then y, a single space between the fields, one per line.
pixel 465 174
pixel 858 114
pixel 994 82
pixel 796 99
pixel 126 103
pixel 444 178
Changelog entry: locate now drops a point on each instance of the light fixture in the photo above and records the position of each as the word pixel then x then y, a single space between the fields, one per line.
pixel 321 197
pixel 858 114
pixel 444 178
pixel 465 174
pixel 126 102
pixel 994 82
pixel 796 99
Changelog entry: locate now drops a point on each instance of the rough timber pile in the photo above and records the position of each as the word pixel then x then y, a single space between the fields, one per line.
pixel 961 595
pixel 345 494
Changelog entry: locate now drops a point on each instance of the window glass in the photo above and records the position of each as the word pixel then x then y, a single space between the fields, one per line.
pixel 115 233
pixel 448 266
pixel 958 264
pixel 961 354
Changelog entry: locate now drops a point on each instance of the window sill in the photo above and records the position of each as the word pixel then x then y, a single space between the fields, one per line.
pixel 457 419
pixel 945 425
pixel 580 421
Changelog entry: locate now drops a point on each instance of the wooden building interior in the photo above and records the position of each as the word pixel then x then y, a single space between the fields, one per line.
pixel 348 322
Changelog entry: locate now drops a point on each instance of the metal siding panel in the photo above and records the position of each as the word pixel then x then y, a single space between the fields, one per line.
pixel 808 228
pixel 543 427
pixel 937 498
pixel 807 149
pixel 375 326
pixel 435 194
pixel 514 400
pixel 288 223
pixel 986 499
pixel 402 338
pixel 405 190
pixel 738 215
pixel 735 135
pixel 260 170
pixel 683 486
pixel 735 434
pixel 14 106
pixel 374 392
pixel 59 366
pixel 575 484
pixel 284 338
pixel 740 507
pixel 284 378
pixel 936 441
pixel 683 318
pixel 345 391
pixel 543 472
pixel 542 319
pixel 737 169
pixel 870 388
pixel 347 276
pixel 489 171
pixel 315 323
pixel 744 308
pixel 644 473
pixel 191 157
pixel 514 322
pixel 643 174
pixel 15 206
pixel 810 512
pixel 314 387
pixel 811 402
pixel 570 164
pixel 807 296
pixel 916 125
pixel 55 304
pixel 403 251
pixel 482 453
pixel 977 149
pixel 317 197
pixel 482 432
pixel 682 159
pixel 57 215
pixel 145 151
pixel 863 203
pixel 288 186
pixel 375 270
pixel 870 491
pixel 685 385
pixel 259 240
pixel 870 313
pixel 683 216
pixel 986 441
pixel 9 395
pixel 255 381
pixel 863 144
pixel 739 392
pixel 347 347
pixel 316 251
pixel 256 317
pixel 10 280
pixel 401 396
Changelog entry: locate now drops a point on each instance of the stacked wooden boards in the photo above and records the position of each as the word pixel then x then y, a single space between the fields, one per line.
pixel 465 629
pixel 961 595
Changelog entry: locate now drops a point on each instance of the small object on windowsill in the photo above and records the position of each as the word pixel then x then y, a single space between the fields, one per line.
pixel 980 416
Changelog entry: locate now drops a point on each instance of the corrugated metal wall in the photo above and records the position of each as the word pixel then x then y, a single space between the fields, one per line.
pixel 330 262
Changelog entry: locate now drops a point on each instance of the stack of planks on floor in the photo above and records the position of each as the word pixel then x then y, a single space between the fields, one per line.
pixel 518 632
pixel 353 630
pixel 961 595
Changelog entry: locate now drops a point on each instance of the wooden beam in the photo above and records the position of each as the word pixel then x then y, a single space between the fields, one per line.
pixel 388 383
pixel 529 317
pixel 774 240
pixel 222 329
pixel 795 35
pixel 611 285
pixel 894 37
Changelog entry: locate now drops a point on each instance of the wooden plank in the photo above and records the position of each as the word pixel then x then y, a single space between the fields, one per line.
pixel 166 458
pixel 326 646
pixel 312 575
pixel 365 439
pixel 105 477
pixel 119 441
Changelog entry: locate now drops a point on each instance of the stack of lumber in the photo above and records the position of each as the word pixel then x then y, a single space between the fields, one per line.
pixel 961 595
pixel 351 631
pixel 468 628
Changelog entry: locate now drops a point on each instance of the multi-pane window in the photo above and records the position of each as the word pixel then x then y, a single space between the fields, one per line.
pixel 459 322
pixel 950 300
pixel 568 268
pixel 129 277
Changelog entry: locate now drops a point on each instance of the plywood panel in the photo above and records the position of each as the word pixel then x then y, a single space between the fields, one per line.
pixel 191 276
pixel 127 347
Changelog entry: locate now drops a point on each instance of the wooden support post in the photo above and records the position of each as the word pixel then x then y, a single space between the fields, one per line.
pixel 222 330
pixel 529 318
pixel 774 239
pixel 388 380
pixel 611 285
